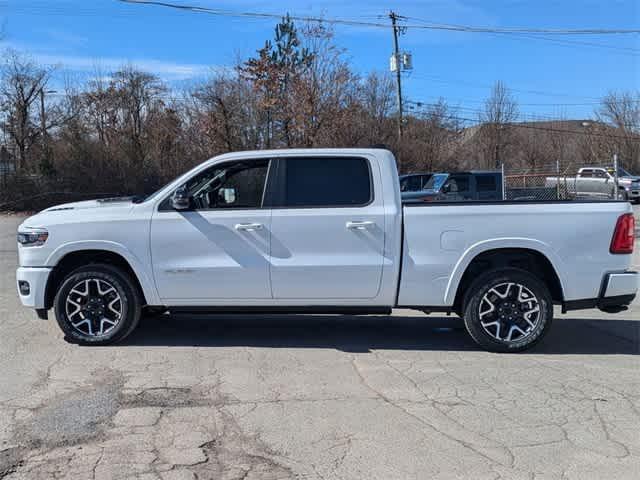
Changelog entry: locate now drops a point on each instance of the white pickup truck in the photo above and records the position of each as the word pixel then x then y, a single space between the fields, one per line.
pixel 321 231
pixel 598 182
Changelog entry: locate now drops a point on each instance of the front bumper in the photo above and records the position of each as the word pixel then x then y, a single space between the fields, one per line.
pixel 36 281
pixel 617 292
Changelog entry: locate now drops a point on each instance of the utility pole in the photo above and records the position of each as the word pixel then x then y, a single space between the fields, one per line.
pixel 398 61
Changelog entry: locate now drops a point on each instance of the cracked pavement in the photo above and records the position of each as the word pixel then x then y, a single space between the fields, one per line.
pixel 315 397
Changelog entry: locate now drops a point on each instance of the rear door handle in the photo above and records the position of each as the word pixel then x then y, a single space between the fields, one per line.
pixel 359 225
pixel 249 227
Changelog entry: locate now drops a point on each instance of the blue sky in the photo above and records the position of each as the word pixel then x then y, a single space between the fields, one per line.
pixel 549 78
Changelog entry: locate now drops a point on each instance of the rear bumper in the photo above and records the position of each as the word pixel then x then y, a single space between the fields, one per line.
pixel 617 292
pixel 32 283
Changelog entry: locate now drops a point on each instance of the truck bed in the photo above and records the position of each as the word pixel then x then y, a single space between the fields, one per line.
pixel 441 239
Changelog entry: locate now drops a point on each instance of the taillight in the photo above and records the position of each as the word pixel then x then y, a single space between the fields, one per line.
pixel 624 234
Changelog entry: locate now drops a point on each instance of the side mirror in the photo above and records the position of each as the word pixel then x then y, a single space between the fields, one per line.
pixel 227 196
pixel 180 200
pixel 445 188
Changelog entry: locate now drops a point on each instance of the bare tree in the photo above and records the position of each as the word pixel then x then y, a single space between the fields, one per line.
pixel 324 92
pixel 500 110
pixel 622 111
pixel 378 102
pixel 22 83
pixel 430 137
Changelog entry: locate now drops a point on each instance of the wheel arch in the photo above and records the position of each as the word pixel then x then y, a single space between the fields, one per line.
pixel 532 255
pixel 69 259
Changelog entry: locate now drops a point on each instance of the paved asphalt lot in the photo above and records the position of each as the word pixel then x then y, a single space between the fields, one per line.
pixel 312 397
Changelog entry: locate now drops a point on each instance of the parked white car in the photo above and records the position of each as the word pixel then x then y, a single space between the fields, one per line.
pixel 321 231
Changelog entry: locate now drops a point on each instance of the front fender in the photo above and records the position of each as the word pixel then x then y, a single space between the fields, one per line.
pixel 494 244
pixel 139 268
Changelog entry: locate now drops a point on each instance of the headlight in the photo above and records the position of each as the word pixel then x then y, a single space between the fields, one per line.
pixel 33 238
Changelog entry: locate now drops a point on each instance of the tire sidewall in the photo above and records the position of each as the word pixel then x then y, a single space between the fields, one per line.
pixel 489 280
pixel 128 296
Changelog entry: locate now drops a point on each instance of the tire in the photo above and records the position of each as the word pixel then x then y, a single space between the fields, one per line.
pixel 503 318
pixel 623 195
pixel 97 305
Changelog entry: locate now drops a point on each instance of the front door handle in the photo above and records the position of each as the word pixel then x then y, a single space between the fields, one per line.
pixel 359 225
pixel 248 227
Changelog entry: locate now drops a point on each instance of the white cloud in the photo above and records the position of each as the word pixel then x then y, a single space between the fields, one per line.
pixel 171 70
pixel 92 64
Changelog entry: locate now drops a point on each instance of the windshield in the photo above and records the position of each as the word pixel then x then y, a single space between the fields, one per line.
pixel 436 182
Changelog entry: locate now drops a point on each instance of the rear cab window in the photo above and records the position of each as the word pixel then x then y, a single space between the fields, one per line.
pixel 486 183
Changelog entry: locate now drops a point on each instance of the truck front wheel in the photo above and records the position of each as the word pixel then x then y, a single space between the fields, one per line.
pixel 507 310
pixel 97 305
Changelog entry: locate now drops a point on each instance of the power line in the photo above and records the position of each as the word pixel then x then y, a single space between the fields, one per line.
pixel 362 23
pixel 633 52
pixel 477 85
pixel 536 104
pixel 478 111
pixel 633 138
pixel 626 50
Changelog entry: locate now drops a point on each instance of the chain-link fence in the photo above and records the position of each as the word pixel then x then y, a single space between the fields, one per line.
pixel 560 181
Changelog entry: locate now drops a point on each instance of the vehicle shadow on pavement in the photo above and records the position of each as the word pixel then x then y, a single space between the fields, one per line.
pixel 365 333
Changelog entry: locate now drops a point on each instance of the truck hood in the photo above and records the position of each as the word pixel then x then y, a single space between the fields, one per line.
pixel 421 193
pixel 629 179
pixel 80 211
pixel 100 203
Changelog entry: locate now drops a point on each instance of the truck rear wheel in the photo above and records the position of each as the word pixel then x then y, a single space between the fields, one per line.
pixel 97 305
pixel 507 310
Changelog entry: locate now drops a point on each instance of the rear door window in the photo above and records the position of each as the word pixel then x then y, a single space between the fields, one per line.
pixel 325 182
